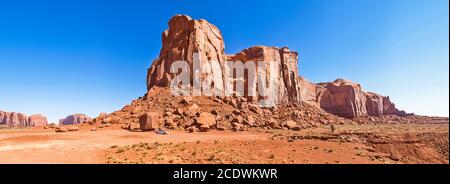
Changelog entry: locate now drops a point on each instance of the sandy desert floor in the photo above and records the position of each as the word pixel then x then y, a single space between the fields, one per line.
pixel 356 144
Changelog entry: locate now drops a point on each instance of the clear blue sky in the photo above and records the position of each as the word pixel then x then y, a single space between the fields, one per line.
pixel 90 56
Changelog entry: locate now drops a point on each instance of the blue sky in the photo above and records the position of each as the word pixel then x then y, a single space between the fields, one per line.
pixel 83 56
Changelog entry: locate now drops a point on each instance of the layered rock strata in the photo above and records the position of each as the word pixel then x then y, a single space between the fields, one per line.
pixel 15 119
pixel 192 40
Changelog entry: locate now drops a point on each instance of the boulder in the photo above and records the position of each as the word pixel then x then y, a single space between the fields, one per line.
pixel 238 119
pixel 186 100
pixel 237 126
pixel 291 125
pixel 169 123
pixel 179 112
pixel 188 123
pixel 73 129
pixel 194 108
pixel 206 119
pixel 61 129
pixel 255 109
pixel 272 123
pixel 243 105
pixel 214 112
pixel 149 121
pixel 192 129
pixel 250 121
pixel 112 120
pixel 204 128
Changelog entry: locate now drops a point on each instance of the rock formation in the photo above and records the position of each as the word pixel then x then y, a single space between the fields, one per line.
pixel 37 120
pixel 347 99
pixel 186 36
pixel 75 119
pixel 286 63
pixel 149 121
pixel 15 119
pixel 343 98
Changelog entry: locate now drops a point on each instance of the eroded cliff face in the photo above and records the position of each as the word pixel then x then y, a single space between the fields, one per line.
pixel 37 120
pixel 186 36
pixel 347 99
pixel 285 63
pixel 343 98
pixel 15 119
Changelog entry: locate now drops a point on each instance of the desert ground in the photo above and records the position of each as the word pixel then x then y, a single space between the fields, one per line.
pixel 348 144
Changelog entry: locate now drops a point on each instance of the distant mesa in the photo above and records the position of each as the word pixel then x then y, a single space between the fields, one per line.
pixel 37 120
pixel 14 119
pixel 75 119
pixel 347 99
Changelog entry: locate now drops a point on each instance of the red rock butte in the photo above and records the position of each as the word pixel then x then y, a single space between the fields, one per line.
pixel 186 36
pixel 15 119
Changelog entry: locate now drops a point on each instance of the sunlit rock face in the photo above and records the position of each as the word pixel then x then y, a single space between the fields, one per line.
pixel 187 37
pixel 347 99
pixel 285 73
pixel 15 119
pixel 37 120
pixel 192 40
pixel 75 119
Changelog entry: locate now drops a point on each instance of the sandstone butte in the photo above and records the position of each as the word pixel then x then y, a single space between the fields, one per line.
pixel 75 119
pixel 186 36
pixel 14 119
